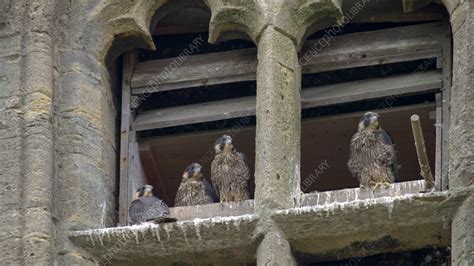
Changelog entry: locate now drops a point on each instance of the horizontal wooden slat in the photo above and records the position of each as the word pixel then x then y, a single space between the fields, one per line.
pixel 311 97
pixel 371 89
pixel 346 51
pixel 195 113
pixel 381 11
pixel 196 70
pixel 374 47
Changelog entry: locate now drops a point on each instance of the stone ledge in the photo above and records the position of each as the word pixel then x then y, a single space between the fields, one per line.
pixel 331 225
pixel 354 194
pixel 369 224
pixel 200 240
pixel 212 210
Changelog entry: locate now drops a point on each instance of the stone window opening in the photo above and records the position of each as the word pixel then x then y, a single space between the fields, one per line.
pixel 181 99
pixel 351 70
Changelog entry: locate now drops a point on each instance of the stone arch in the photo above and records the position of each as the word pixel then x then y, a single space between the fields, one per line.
pixel 130 23
pixel 127 20
pixel 314 15
pixel 230 21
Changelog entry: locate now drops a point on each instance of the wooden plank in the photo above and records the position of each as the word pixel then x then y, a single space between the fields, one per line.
pixel 346 51
pixel 196 113
pixel 129 61
pixel 373 48
pixel 382 13
pixel 150 166
pixel 371 89
pixel 196 70
pixel 446 93
pixel 413 5
pixel 311 97
pixel 344 60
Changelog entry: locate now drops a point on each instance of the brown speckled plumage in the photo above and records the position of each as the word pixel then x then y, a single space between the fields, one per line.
pixel 372 157
pixel 194 189
pixel 230 172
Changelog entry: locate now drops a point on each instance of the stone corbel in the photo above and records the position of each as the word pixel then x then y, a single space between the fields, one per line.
pixel 235 16
pixel 305 14
pixel 129 20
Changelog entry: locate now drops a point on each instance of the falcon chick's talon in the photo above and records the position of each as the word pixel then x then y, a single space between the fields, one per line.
pixel 374 185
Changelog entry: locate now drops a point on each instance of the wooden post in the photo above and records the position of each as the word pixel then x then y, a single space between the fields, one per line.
pixel 421 152
pixel 446 101
pixel 129 61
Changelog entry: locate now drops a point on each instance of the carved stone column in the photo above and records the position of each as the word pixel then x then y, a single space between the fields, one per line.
pixel 277 170
pixel 277 166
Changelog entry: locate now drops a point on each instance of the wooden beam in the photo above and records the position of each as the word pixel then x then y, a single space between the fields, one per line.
pixel 382 14
pixel 425 169
pixel 195 113
pixel 346 51
pixel 372 48
pixel 371 89
pixel 129 61
pixel 446 93
pixel 196 70
pixel 413 5
pixel 312 97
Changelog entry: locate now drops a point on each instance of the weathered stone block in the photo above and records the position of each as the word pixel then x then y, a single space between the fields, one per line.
pixel 462 239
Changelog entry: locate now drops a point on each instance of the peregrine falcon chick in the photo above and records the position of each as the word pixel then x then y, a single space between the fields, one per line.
pixel 372 155
pixel 194 188
pixel 147 208
pixel 230 172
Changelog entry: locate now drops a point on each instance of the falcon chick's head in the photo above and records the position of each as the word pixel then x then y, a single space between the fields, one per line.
pixel 193 171
pixel 369 121
pixel 145 191
pixel 224 144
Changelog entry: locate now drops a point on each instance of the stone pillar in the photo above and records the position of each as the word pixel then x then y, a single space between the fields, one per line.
pixel 277 169
pixel 275 250
pixel 86 152
pixel 37 153
pixel 277 166
pixel 11 140
pixel 461 172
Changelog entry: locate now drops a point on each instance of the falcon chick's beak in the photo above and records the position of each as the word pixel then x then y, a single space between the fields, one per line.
pixel 148 191
pixel 224 143
pixel 374 120
pixel 194 170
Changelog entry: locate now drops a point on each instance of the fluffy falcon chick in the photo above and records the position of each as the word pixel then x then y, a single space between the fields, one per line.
pixel 147 208
pixel 372 156
pixel 194 189
pixel 230 172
